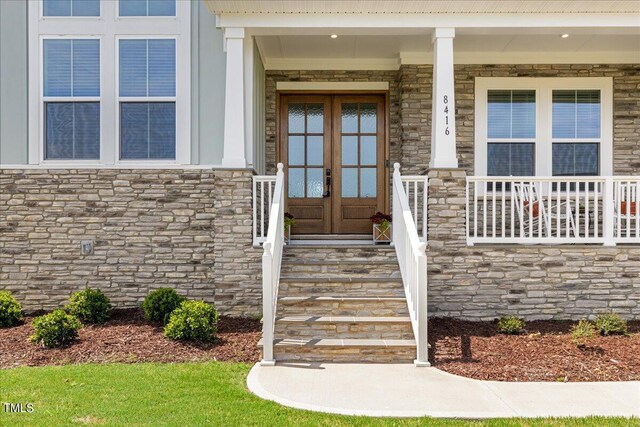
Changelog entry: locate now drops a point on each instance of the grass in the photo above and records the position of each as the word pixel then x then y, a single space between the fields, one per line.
pixel 192 394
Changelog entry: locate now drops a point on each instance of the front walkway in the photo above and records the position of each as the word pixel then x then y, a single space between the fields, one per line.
pixel 407 391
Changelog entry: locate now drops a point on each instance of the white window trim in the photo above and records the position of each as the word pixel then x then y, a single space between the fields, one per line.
pixel 108 28
pixel 543 141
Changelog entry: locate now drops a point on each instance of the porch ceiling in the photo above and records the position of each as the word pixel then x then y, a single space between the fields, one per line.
pixel 370 7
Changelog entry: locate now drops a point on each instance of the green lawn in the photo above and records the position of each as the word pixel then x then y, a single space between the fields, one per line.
pixel 180 395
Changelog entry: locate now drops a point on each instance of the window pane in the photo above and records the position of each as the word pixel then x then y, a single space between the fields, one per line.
pixel 71 67
pixel 349 150
pixel 147 68
pixel 505 159
pixel 315 146
pixel 349 182
pixel 315 118
pixel 368 150
pixel 296 118
pixel 85 7
pixel 368 117
pixel 296 182
pixel 349 118
pixel 368 182
pixel 147 130
pixel 72 130
pixel 314 182
pixel 511 114
pixel 57 67
pixel 296 150
pixel 576 159
pixel 576 114
pixel 86 67
pixel 56 8
pixel 147 8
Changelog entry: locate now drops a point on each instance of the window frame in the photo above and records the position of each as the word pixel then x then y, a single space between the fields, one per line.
pixel 108 27
pixel 544 87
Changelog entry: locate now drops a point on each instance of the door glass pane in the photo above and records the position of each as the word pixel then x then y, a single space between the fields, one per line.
pixel 314 182
pixel 368 150
pixel 296 182
pixel 349 150
pixel 315 118
pixel 349 118
pixel 368 118
pixel 296 150
pixel 368 182
pixel 314 150
pixel 349 182
pixel 296 118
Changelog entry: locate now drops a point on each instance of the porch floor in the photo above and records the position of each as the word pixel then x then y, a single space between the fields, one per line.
pixel 331 239
pixel 402 390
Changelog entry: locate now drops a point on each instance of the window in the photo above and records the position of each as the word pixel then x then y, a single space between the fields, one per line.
pixel 528 126
pixel 147 7
pixel 71 98
pixel 71 8
pixel 147 77
pixel 113 90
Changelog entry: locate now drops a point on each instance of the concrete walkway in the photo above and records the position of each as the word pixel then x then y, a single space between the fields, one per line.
pixel 407 391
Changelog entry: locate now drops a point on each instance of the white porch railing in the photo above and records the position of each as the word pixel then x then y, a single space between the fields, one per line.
pixel 263 186
pixel 413 265
pixel 415 188
pixel 271 263
pixel 553 210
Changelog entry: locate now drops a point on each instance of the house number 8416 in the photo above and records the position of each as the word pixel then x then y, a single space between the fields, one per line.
pixel 446 114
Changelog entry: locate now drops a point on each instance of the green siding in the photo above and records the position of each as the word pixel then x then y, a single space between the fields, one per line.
pixel 13 82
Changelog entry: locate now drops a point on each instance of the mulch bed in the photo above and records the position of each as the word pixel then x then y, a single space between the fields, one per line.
pixel 543 353
pixel 470 349
pixel 128 337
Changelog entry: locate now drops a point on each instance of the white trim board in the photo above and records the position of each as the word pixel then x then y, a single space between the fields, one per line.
pixel 332 86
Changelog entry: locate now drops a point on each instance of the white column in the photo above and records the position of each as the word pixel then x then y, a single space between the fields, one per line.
pixel 249 91
pixel 234 131
pixel 443 115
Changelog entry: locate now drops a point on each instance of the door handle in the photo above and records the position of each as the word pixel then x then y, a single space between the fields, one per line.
pixel 327 183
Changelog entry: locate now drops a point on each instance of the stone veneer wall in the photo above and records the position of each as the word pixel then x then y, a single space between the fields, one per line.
pixel 533 282
pixel 186 229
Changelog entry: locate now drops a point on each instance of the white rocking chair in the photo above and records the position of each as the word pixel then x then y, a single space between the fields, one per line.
pixel 533 214
pixel 625 210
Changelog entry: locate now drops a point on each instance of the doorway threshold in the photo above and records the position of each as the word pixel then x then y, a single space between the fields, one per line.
pixel 331 239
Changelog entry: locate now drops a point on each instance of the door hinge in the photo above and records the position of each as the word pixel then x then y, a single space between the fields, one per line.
pixel 387 163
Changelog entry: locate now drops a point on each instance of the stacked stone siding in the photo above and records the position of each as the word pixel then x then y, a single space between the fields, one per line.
pixel 185 229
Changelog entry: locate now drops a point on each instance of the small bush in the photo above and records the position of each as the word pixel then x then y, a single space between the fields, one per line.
pixel 90 306
pixel 159 304
pixel 55 329
pixel 10 310
pixel 611 324
pixel 510 325
pixel 582 332
pixel 193 321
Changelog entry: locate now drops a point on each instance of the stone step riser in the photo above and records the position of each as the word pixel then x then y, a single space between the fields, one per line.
pixel 344 289
pixel 347 355
pixel 343 308
pixel 362 270
pixel 333 255
pixel 361 330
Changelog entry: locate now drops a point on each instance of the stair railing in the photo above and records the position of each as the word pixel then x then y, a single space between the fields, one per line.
pixel 271 263
pixel 412 258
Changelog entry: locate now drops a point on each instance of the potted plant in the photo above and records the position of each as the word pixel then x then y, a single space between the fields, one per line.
pixel 381 227
pixel 289 221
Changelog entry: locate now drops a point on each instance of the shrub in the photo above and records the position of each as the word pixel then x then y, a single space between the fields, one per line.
pixel 10 310
pixel 582 332
pixel 55 329
pixel 611 324
pixel 90 305
pixel 510 325
pixel 159 304
pixel 193 321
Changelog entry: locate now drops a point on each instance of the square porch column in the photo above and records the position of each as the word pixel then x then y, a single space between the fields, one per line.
pixel 234 153
pixel 443 113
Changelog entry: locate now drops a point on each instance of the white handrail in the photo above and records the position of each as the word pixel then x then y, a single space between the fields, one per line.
pixel 271 263
pixel 262 199
pixel 412 259
pixel 415 187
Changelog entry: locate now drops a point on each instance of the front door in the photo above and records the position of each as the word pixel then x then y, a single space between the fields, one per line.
pixel 333 148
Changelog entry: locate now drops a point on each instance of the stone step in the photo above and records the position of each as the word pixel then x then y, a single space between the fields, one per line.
pixel 345 350
pixel 329 305
pixel 350 268
pixel 340 285
pixel 360 253
pixel 344 327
